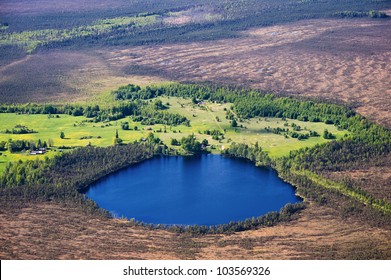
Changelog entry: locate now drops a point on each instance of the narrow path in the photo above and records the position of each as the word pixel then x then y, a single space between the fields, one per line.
pixel 214 117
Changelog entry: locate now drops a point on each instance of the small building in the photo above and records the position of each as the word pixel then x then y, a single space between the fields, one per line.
pixel 40 151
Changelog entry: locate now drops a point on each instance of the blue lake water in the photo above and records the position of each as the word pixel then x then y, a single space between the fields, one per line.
pixel 204 190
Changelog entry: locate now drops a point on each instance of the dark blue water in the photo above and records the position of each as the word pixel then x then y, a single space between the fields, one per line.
pixel 205 190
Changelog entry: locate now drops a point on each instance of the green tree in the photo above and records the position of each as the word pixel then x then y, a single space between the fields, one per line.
pixel 62 135
pixel 159 105
pixel 190 144
pixel 174 142
pixel 328 135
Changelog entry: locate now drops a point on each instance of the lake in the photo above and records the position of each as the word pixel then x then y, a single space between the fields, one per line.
pixel 203 190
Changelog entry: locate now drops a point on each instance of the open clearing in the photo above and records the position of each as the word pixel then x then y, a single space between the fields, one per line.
pixel 201 118
pixel 345 61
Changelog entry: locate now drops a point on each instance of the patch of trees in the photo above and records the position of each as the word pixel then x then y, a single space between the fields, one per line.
pixel 154 114
pixel 294 133
pixel 328 135
pixel 175 142
pixel 253 153
pixel 125 92
pixel 287 213
pixel 354 14
pixel 141 111
pixel 20 129
pixel 191 145
pixel 72 172
pixel 125 126
pixel 216 134
pixel 14 146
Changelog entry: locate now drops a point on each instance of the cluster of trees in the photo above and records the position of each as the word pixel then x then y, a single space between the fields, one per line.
pixel 287 213
pixel 155 114
pixel 72 172
pixel 21 145
pixel 328 135
pixel 191 145
pixel 140 111
pixel 253 153
pixel 127 92
pixel 216 134
pixel 294 134
pixel 20 129
pixel 354 14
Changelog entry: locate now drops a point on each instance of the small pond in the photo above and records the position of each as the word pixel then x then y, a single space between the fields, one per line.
pixel 203 190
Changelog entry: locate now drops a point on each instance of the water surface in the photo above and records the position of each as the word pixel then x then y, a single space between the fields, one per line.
pixel 204 190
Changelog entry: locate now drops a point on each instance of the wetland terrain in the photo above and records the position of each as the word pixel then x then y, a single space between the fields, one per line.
pixel 89 89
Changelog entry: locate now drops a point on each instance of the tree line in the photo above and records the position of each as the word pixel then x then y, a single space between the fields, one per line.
pixel 140 111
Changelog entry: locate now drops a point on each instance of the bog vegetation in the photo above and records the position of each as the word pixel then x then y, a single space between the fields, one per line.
pixel 150 22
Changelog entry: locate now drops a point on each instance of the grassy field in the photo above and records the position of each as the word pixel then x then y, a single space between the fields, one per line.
pixel 208 116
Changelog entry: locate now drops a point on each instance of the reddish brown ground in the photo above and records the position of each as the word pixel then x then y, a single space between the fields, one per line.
pixel 51 231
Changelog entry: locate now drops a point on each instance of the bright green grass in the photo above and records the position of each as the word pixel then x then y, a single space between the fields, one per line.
pixel 204 117
pixel 201 117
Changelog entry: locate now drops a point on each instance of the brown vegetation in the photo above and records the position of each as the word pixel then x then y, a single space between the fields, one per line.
pixel 55 231
pixel 62 76
pixel 338 60
pixel 374 179
pixel 44 6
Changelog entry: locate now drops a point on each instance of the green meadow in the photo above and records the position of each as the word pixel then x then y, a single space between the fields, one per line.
pixel 80 131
